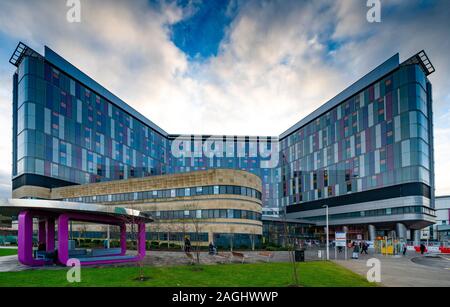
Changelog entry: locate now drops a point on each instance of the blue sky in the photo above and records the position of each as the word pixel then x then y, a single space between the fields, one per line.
pixel 199 35
pixel 250 67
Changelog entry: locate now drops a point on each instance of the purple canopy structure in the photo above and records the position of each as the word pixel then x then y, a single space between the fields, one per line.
pixel 58 213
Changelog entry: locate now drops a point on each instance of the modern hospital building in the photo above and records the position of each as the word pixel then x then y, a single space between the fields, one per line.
pixel 367 154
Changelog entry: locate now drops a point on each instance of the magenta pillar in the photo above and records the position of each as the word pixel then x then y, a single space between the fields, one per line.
pixel 25 240
pixel 63 239
pixel 123 238
pixel 42 231
pixel 50 238
pixel 25 237
pixel 141 240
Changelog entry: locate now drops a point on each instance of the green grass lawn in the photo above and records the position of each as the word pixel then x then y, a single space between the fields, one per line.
pixel 311 274
pixel 8 251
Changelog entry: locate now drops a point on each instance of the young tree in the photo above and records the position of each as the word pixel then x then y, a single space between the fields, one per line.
pixel 156 228
pixel 290 247
pixel 134 243
pixel 231 238
pixel 183 229
pixel 197 228
pixel 253 238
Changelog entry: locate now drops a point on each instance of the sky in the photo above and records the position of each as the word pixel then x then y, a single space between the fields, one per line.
pixel 230 66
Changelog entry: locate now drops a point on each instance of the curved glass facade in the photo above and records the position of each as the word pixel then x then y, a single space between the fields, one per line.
pixel 170 193
pixel 377 213
pixel 377 138
pixel 206 214
pixel 250 161
pixel 380 136
pixel 67 131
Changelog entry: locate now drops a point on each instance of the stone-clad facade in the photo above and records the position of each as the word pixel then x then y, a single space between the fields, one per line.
pixel 208 214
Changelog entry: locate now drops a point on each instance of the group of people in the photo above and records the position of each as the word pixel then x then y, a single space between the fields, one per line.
pixel 212 249
pixel 42 248
pixel 362 247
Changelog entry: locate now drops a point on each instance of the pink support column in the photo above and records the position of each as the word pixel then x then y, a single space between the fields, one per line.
pixel 141 241
pixel 41 232
pixel 25 240
pixel 63 239
pixel 50 239
pixel 123 238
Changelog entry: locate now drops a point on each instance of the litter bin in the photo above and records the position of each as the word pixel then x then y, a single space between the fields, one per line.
pixel 299 255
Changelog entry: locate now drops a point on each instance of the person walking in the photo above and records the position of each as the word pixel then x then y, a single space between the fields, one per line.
pixel 212 249
pixel 187 245
pixel 422 248
pixel 405 247
pixel 355 252
pixel 365 247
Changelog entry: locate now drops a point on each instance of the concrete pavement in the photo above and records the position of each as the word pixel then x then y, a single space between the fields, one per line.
pixel 11 264
pixel 412 270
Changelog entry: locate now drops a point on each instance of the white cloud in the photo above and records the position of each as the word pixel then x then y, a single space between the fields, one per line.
pixel 442 162
pixel 5 132
pixel 273 68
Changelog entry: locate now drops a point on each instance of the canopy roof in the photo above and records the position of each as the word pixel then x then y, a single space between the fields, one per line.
pixel 12 207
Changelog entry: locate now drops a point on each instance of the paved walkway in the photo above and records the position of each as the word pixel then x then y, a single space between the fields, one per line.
pixel 11 264
pixel 167 258
pixel 412 270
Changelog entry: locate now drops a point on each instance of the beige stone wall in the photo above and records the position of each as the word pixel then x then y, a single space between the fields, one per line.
pixel 209 225
pixel 204 202
pixel 32 191
pixel 83 226
pixel 191 179
pixel 226 201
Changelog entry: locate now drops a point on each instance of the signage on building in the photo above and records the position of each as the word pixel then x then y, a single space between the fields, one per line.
pixel 425 234
pixel 341 239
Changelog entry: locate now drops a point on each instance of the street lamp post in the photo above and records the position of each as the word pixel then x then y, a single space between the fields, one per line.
pixel 327 229
pixel 108 237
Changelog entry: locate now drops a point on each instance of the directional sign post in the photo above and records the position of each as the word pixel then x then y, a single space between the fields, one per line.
pixel 341 241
